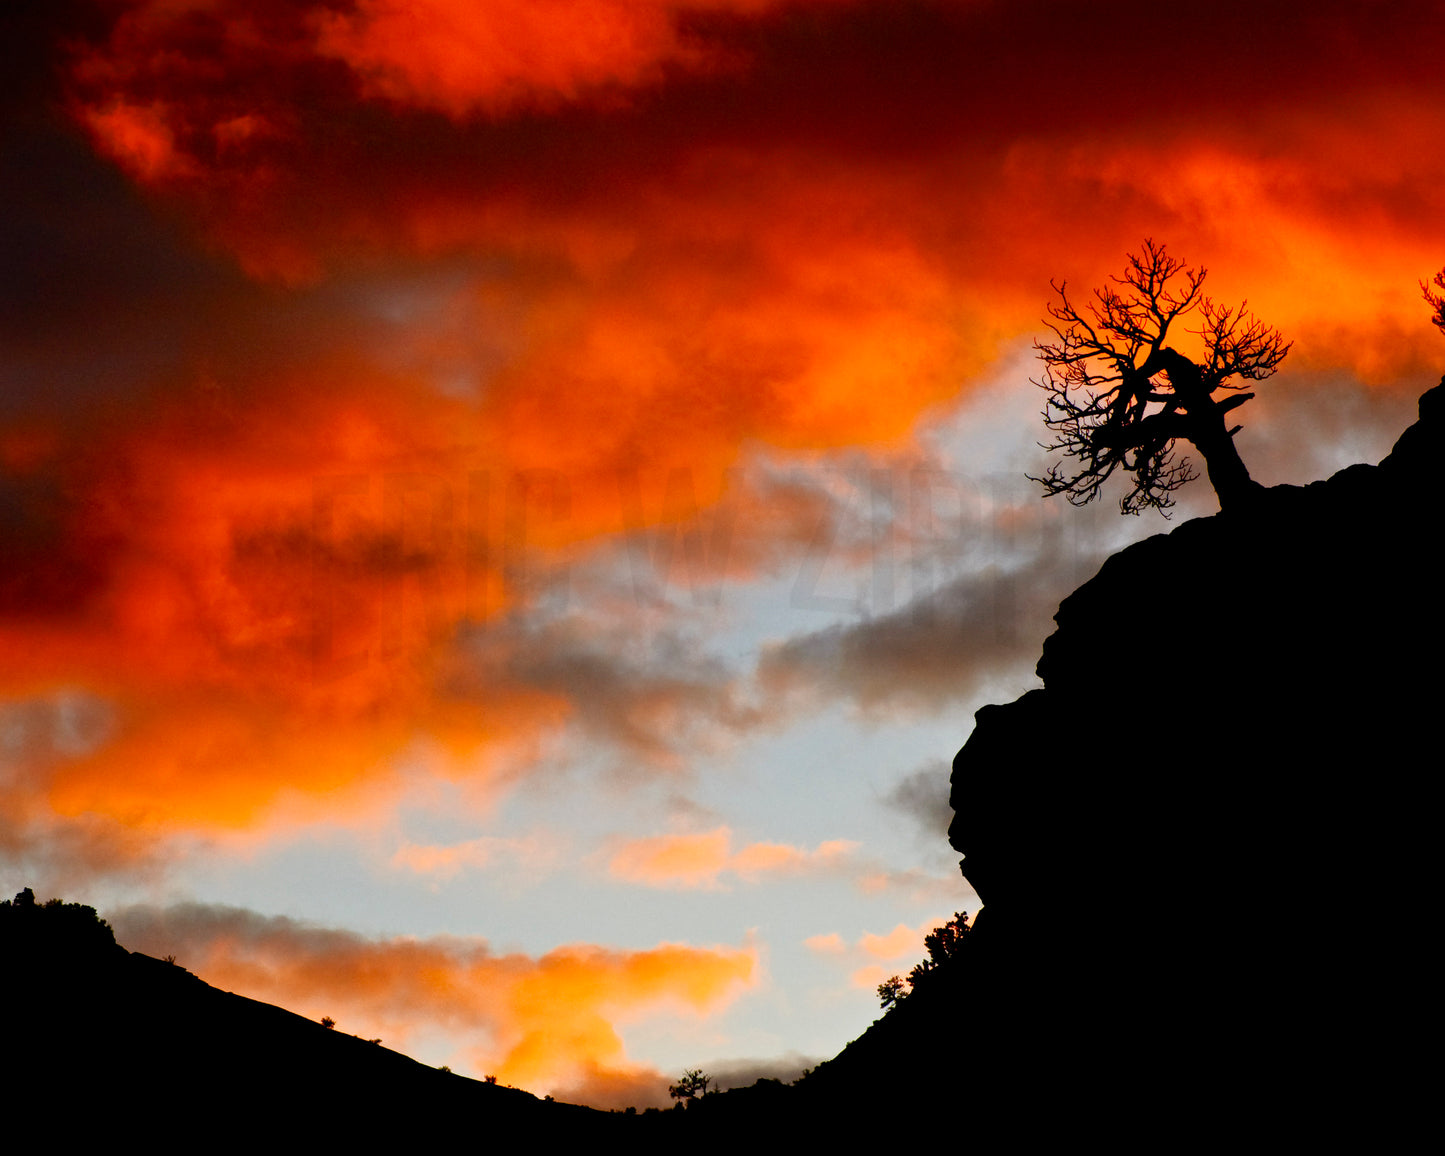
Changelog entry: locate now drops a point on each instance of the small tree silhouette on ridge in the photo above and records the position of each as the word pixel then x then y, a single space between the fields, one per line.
pixel 1119 396
pixel 692 1085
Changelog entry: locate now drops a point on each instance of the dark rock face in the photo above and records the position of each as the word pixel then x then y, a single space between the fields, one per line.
pixel 1213 830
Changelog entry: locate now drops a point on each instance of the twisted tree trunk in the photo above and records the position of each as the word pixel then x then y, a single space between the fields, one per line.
pixel 1204 420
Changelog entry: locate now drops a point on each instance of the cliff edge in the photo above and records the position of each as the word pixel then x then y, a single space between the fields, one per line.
pixel 1204 846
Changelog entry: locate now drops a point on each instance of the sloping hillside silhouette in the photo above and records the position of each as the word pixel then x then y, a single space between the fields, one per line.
pixel 103 1043
pixel 1204 849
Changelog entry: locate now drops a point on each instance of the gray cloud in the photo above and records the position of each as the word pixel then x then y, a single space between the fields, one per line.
pixel 654 701
pixel 923 797
pixel 1302 428
pixel 939 648
pixel 743 1073
pixel 67 855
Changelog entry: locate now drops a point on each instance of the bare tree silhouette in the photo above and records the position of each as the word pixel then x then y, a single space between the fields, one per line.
pixel 1436 301
pixel 1119 396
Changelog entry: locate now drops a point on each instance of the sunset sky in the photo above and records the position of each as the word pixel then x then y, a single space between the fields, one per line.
pixel 508 507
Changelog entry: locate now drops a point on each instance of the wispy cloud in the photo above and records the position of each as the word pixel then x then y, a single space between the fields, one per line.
pixel 536 854
pixel 830 943
pixel 699 860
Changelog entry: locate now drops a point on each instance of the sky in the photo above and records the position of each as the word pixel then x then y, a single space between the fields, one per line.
pixel 508 509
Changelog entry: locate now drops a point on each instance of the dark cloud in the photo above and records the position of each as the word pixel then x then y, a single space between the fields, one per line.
pixel 52 566
pixel 660 702
pixel 81 253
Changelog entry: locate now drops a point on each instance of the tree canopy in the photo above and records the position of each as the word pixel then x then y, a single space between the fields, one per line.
pixel 1120 394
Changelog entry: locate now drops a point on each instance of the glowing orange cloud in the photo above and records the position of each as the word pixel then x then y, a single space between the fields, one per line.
pixel 563 1006
pixel 771 254
pixel 460 57
pixel 273 608
pixel 697 860
pixel 260 627
pixel 474 263
pixel 544 1023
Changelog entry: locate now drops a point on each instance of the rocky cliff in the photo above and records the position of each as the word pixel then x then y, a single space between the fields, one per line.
pixel 1206 846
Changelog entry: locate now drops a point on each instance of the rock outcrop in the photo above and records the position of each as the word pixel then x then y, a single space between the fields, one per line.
pixel 1204 847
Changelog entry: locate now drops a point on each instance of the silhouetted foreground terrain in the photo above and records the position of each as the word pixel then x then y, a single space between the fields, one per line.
pixel 1205 849
pixel 102 1042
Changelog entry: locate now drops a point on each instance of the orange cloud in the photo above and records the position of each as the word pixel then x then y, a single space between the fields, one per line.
pixel 263 550
pixel 673 860
pixel 765 858
pixel 697 860
pixel 829 944
pixel 869 976
pixel 1321 234
pixel 790 273
pixel 275 595
pixel 902 940
pixel 140 138
pixel 544 1023
pixel 461 58
pixel 898 950
pixel 271 614
pixel 256 623
pixel 534 853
